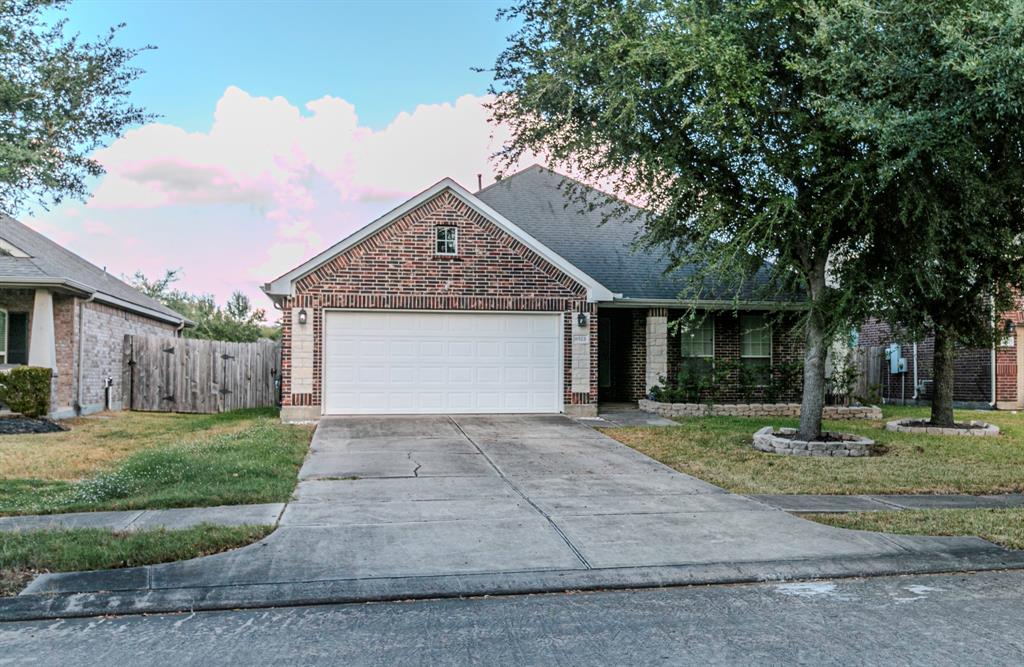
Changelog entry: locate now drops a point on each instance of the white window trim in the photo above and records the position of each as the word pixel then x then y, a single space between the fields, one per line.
pixel 7 334
pixel 682 341
pixel 455 240
pixel 771 348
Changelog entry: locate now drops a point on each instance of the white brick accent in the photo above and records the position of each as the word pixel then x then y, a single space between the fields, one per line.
pixel 657 350
pixel 302 354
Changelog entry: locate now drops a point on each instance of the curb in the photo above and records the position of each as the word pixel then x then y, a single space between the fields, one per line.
pixel 32 607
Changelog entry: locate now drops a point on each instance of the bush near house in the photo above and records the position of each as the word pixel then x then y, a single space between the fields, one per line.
pixel 26 389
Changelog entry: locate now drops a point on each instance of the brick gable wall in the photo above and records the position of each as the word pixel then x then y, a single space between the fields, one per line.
pixel 397 269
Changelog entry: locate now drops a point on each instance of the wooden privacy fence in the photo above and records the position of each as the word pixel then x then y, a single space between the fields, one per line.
pixel 870 363
pixel 163 374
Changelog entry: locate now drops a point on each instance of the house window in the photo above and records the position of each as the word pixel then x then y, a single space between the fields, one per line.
pixel 756 347
pixel 447 241
pixel 698 346
pixel 3 336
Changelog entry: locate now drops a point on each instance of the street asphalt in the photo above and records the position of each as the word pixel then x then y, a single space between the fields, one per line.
pixel 418 507
pixel 969 619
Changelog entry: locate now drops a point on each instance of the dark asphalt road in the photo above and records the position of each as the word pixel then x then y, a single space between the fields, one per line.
pixel 925 620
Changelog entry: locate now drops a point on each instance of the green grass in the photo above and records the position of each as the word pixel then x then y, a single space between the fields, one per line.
pixel 256 460
pixel 26 554
pixel 1002 526
pixel 718 449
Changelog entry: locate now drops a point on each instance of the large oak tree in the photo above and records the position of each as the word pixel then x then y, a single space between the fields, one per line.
pixel 61 97
pixel 695 108
pixel 933 93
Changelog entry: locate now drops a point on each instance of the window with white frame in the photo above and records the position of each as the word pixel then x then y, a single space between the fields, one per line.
pixel 756 346
pixel 447 241
pixel 3 336
pixel 697 341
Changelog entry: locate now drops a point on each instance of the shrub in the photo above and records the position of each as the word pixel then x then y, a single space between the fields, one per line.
pixel 26 389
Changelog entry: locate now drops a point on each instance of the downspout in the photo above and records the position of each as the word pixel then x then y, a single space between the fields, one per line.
pixel 995 342
pixel 81 350
pixel 916 386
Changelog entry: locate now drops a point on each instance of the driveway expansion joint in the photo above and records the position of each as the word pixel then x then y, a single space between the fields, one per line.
pixel 565 538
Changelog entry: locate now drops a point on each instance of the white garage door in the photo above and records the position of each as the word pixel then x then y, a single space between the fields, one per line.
pixel 421 363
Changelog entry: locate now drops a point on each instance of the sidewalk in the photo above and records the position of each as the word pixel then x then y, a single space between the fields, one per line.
pixel 269 514
pixel 805 504
pixel 172 519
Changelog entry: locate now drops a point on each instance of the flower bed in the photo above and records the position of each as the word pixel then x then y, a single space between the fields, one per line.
pixel 972 428
pixel 754 410
pixel 783 441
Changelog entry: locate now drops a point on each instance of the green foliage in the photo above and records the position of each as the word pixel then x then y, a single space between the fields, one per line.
pixel 931 91
pixel 60 98
pixel 26 389
pixel 695 110
pixel 236 321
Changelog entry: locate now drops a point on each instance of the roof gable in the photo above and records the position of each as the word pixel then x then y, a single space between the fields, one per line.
pixel 285 285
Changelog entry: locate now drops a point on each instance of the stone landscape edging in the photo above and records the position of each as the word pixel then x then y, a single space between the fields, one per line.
pixel 769 440
pixel 985 429
pixel 832 412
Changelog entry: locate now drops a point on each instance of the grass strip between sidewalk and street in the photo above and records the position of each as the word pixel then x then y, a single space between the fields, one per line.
pixel 1001 526
pixel 26 554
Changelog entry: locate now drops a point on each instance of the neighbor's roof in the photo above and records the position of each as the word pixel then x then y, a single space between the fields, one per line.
pixel 49 264
pixel 601 242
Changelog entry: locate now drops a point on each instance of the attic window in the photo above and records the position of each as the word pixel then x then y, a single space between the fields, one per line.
pixel 447 241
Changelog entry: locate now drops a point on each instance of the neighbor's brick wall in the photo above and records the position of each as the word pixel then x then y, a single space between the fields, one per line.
pixel 972 368
pixel 398 269
pixel 104 328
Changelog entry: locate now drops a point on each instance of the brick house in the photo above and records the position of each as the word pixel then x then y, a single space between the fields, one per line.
pixel 512 299
pixel 983 378
pixel 61 312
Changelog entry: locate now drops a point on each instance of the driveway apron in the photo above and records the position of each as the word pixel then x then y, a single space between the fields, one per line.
pixel 431 496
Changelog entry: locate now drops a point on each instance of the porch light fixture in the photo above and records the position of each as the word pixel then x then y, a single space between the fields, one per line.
pixel 581 319
pixel 1009 327
pixel 302 316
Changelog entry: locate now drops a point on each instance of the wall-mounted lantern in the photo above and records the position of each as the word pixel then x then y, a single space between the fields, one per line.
pixel 302 316
pixel 581 319
pixel 1009 327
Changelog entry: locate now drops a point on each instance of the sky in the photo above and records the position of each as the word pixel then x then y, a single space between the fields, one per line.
pixel 282 128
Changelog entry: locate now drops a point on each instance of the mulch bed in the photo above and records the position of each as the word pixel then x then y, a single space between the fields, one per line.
pixel 21 425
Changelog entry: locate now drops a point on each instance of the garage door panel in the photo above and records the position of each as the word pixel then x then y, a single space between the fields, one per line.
pixel 401 362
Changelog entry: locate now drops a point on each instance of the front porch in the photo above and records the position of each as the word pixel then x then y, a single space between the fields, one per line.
pixel 640 348
pixel 37 328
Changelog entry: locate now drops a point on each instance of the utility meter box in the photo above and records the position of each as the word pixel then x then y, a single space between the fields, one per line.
pixel 897 362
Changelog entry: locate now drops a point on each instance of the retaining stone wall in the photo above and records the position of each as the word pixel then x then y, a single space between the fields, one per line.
pixel 754 410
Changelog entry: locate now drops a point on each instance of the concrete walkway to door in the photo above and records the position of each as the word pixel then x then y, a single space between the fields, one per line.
pixel 405 507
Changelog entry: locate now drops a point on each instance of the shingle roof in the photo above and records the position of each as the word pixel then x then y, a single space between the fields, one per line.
pixel 48 260
pixel 604 249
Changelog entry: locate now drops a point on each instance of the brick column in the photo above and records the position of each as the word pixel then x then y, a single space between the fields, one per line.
pixel 657 347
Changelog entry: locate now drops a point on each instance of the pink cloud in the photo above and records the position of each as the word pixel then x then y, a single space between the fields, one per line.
pixel 268 186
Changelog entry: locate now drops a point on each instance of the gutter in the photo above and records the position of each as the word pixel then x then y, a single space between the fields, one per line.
pixel 711 304
pixel 917 390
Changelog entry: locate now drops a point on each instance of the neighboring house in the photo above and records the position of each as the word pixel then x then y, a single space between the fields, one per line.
pixel 59 311
pixel 512 299
pixel 982 378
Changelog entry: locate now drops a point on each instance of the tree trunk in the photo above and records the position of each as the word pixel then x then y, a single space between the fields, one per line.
pixel 815 349
pixel 942 396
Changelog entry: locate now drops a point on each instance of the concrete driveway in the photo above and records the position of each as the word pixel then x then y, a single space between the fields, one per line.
pixel 394 507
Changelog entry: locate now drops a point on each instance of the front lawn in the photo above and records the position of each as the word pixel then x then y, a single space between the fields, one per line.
pixel 24 555
pixel 120 461
pixel 718 450
pixel 1002 526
